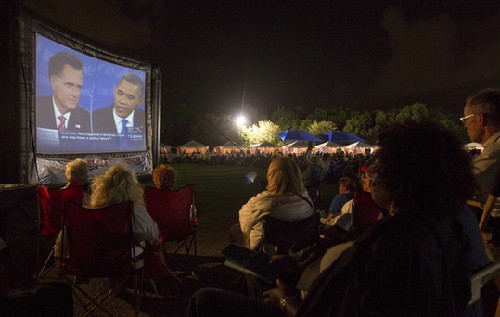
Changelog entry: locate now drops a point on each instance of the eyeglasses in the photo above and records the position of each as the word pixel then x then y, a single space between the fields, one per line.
pixel 464 119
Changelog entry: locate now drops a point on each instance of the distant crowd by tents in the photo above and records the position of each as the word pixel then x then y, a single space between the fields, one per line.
pixel 294 142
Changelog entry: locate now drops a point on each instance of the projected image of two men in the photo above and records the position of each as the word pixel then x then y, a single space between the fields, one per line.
pixel 85 104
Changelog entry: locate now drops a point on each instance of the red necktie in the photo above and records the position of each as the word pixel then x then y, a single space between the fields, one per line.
pixel 61 126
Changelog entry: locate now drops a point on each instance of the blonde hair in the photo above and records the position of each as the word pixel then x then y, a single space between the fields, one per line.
pixel 283 176
pixel 118 184
pixel 164 177
pixel 76 171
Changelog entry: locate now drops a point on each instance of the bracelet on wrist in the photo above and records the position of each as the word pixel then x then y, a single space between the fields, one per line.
pixel 284 302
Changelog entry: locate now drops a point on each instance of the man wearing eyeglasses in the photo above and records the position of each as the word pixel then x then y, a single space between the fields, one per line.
pixel 482 121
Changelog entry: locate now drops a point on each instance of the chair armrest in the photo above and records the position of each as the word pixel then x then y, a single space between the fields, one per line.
pixel 474 203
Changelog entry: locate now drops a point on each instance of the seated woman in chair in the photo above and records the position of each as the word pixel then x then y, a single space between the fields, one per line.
pixel 164 177
pixel 412 263
pixel 76 174
pixel 285 198
pixel 119 184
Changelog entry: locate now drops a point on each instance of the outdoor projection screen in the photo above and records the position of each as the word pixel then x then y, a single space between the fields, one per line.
pixel 85 95
pixel 88 95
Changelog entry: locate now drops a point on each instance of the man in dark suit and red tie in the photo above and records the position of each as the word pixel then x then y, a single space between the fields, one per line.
pixel 60 119
pixel 122 116
pixel 61 111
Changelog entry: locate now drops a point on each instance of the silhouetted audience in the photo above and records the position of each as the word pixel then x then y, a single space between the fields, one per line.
pixel 412 263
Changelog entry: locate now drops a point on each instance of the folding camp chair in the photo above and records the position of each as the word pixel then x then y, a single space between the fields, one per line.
pixel 481 278
pixel 486 209
pixel 155 267
pixel 277 238
pixel 50 215
pixel 171 210
pixel 279 235
pixel 488 206
pixel 101 245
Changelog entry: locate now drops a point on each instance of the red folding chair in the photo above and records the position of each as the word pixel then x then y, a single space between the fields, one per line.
pixel 50 215
pixel 101 245
pixel 171 210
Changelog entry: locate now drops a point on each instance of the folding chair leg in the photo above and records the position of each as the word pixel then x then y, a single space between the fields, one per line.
pixel 38 248
pixel 187 243
pixel 96 303
pixel 138 283
pixel 89 303
pixel 42 272
pixel 193 241
pixel 195 245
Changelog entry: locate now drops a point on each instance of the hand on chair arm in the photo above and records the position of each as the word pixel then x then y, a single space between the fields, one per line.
pixel 280 296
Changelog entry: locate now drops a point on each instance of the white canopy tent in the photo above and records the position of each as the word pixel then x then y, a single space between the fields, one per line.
pixel 165 149
pixel 474 145
pixel 474 149
pixel 359 148
pixel 230 147
pixel 327 147
pixel 193 147
pixel 297 147
pixel 263 148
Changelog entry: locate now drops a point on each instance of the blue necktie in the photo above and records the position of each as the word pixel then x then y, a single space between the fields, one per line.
pixel 124 139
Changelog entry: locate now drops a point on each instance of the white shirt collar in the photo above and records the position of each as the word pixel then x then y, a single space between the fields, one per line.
pixel 57 113
pixel 118 121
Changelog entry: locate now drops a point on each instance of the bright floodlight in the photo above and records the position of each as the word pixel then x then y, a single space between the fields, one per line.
pixel 240 121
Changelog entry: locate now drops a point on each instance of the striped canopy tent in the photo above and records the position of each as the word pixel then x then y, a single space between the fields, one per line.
pixel 231 147
pixel 327 147
pixel 473 145
pixel 359 148
pixel 165 149
pixel 193 147
pixel 263 148
pixel 297 147
pixel 474 149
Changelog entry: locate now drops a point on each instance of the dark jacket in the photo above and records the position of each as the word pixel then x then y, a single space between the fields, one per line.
pixel 79 121
pixel 103 122
pixel 400 266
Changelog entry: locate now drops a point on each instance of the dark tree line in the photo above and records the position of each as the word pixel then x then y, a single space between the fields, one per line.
pixel 217 128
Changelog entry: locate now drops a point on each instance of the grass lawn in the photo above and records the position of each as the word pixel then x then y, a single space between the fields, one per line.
pixel 220 191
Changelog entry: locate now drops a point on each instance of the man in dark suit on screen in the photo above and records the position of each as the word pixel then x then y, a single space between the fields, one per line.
pixel 61 111
pixel 122 116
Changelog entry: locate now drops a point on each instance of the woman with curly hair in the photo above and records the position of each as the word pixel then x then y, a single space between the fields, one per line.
pixel 164 177
pixel 413 263
pixel 119 184
pixel 76 172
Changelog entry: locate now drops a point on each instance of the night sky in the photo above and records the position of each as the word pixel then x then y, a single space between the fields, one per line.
pixel 216 55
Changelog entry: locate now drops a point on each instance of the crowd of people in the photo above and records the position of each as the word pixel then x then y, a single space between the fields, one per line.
pixel 412 262
pixel 411 242
pixel 398 239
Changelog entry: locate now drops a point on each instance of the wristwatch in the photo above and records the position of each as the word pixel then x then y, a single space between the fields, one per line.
pixel 283 302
